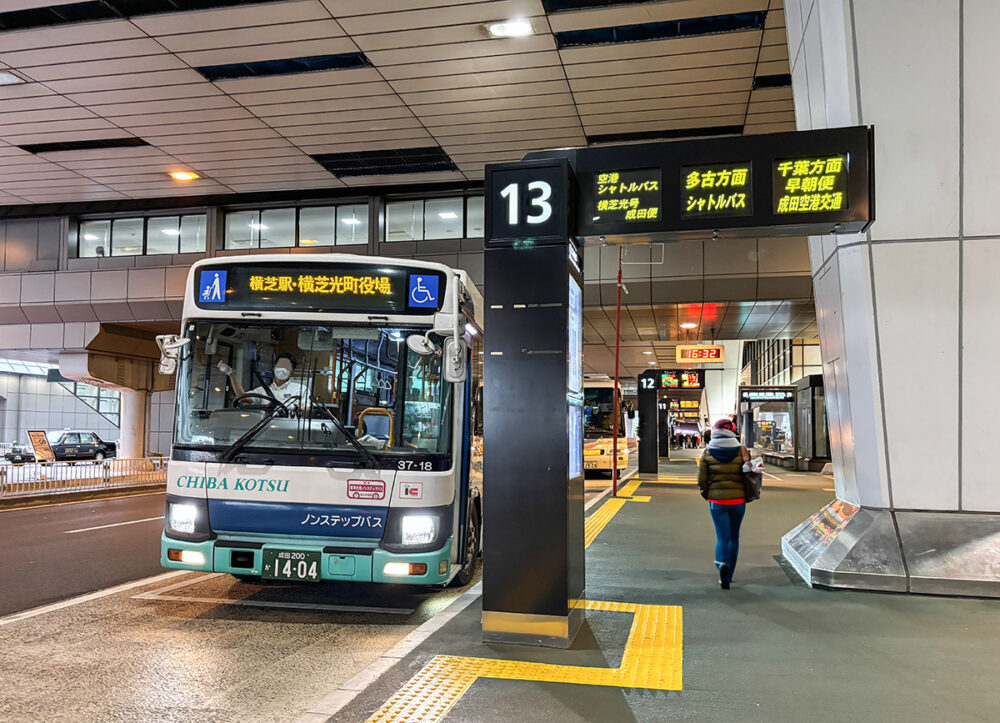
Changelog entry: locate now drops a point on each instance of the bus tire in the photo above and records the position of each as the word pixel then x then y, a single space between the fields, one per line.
pixel 468 571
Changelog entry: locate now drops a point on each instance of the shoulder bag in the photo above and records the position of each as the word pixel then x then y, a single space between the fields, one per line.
pixel 752 481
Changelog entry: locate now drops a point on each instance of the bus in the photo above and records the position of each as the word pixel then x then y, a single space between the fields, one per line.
pixel 326 421
pixel 598 429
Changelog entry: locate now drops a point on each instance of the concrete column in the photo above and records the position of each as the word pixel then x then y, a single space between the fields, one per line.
pixel 132 442
pixel 907 311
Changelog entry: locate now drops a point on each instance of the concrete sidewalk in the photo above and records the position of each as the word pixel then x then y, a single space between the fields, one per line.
pixel 662 641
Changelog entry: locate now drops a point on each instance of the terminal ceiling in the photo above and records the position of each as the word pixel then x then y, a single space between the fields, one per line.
pixel 427 76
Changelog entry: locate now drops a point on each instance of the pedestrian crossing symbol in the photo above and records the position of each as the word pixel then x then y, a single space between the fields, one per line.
pixel 212 284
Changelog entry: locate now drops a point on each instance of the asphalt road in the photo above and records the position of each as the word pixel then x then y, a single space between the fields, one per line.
pixel 42 561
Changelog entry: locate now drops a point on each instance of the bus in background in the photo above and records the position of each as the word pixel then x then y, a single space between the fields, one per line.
pixel 598 424
pixel 324 421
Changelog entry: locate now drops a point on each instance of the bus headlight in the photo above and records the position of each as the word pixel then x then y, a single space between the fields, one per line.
pixel 182 517
pixel 187 519
pixel 418 529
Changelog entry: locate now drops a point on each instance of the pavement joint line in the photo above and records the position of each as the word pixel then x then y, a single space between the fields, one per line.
pixel 772 476
pixel 62 604
pixel 332 703
pixel 183 583
pixel 113 524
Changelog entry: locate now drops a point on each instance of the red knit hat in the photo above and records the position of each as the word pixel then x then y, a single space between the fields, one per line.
pixel 725 424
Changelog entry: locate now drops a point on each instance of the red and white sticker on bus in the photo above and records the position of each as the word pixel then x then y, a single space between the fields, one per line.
pixel 366 489
pixel 411 490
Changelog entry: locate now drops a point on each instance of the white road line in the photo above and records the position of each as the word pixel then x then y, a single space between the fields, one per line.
pixel 772 476
pixel 274 604
pixel 78 502
pixel 34 612
pixel 331 704
pixel 115 524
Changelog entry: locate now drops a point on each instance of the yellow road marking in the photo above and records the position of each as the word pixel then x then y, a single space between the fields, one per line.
pixel 652 660
pixel 641 498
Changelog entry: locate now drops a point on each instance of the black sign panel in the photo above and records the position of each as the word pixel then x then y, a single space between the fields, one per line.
pixel 780 184
pixel 312 287
pixel 628 196
pixel 527 203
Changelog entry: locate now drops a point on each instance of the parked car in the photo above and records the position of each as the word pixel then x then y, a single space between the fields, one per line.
pixel 69 445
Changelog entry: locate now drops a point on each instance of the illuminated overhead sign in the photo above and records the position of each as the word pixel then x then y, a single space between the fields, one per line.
pixel 810 185
pixel 767 394
pixel 628 196
pixel 682 379
pixel 689 404
pixel 313 287
pixel 779 184
pixel 701 353
pixel 716 190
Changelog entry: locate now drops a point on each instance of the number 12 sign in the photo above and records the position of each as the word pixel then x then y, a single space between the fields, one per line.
pixel 527 203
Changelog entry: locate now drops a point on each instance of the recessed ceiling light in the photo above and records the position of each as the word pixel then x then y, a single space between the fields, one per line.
pixel 304 241
pixel 517 28
pixel 258 226
pixel 648 353
pixel 689 325
pixel 89 237
pixel 350 221
pixel 184 175
pixel 170 231
pixel 652 364
pixel 448 214
pixel 8 78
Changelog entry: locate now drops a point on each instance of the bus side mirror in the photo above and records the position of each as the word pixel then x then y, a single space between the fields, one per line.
pixel 170 351
pixel 454 360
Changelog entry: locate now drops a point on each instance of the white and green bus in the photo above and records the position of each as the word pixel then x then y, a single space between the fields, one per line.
pixel 326 425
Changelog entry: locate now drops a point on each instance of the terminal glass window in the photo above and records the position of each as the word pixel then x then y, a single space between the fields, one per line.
pixel 353 392
pixel 126 237
pixel 193 233
pixel 163 235
pixel 277 228
pixel 352 224
pixel 95 239
pixel 404 221
pixel 443 218
pixel 474 226
pixel 317 226
pixel 243 230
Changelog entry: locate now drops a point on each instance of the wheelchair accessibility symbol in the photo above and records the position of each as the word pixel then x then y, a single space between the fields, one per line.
pixel 423 291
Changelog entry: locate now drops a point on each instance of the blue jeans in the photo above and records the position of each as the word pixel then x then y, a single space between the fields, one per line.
pixel 727 520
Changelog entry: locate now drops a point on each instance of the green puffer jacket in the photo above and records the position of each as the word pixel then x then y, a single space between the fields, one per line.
pixel 721 480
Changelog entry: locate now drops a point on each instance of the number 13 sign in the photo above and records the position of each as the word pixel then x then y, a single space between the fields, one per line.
pixel 527 202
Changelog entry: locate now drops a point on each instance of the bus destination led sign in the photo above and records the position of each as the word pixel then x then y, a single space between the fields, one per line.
pixel 716 190
pixel 329 288
pixel 701 353
pixel 628 195
pixel 810 185
pixel 682 379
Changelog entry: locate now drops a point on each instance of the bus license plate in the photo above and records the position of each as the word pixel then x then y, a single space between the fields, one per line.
pixel 590 465
pixel 291 565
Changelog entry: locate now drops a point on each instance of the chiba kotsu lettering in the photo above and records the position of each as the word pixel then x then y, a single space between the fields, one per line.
pixel 242 484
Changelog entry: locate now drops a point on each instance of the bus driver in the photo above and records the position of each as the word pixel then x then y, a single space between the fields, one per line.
pixel 286 390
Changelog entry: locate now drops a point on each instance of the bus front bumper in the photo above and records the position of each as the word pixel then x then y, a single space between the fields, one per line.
pixel 379 566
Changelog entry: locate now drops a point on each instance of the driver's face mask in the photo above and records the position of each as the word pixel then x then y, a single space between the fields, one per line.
pixel 282 372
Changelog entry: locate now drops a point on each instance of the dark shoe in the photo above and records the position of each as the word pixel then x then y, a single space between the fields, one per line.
pixel 724 577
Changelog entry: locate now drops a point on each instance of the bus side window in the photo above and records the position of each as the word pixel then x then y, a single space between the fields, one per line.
pixel 477 386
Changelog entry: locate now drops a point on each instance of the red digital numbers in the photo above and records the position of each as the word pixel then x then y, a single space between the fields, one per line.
pixel 708 352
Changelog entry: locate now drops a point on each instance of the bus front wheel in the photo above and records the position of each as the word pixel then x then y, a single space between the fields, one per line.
pixel 468 571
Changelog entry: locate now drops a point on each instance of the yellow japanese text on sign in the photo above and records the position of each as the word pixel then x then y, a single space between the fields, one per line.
pixel 318 284
pixel 810 185
pixel 716 190
pixel 627 195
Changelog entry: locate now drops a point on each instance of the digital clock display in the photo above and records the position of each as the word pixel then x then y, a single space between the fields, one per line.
pixel 701 353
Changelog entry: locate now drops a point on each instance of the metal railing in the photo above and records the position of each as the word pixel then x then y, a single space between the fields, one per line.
pixel 46 478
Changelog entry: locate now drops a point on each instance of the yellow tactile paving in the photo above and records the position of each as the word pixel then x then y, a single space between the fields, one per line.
pixel 653 656
pixel 652 660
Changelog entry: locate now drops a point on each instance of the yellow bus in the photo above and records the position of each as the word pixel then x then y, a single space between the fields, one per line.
pixel 598 420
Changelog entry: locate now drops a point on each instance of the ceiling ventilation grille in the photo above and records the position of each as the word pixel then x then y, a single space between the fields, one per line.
pixel 92 10
pixel 380 163
pixel 662 30
pixel 669 133
pixel 285 66
pixel 555 6
pixel 780 80
pixel 83 145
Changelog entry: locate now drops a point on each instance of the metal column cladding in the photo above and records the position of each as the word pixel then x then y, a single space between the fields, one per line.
pixel 649 382
pixel 534 548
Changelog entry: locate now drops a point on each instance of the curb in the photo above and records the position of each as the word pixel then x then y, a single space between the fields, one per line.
pixel 14 503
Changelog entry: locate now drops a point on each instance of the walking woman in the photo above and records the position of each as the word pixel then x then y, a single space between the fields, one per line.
pixel 720 477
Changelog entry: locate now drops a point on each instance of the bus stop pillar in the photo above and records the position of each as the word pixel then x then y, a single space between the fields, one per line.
pixel 132 442
pixel 648 425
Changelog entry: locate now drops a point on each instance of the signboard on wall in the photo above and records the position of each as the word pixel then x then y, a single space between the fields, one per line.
pixel 767 394
pixel 40 444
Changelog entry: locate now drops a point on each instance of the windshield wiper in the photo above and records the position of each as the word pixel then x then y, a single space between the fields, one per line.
pixel 234 449
pixel 348 434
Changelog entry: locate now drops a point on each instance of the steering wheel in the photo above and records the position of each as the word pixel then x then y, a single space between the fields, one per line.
pixel 243 402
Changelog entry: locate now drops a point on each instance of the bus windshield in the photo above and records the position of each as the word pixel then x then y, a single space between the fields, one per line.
pixel 599 412
pixel 310 389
